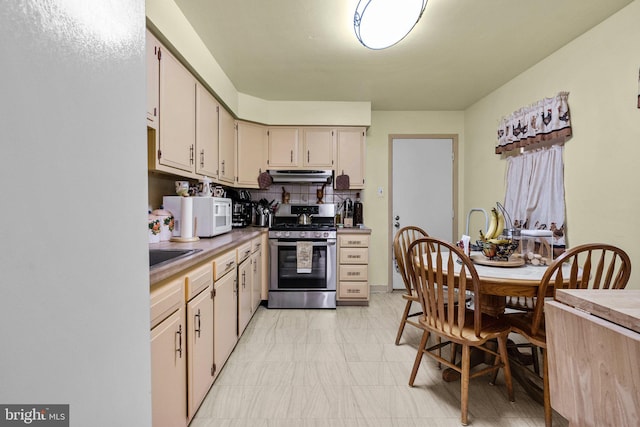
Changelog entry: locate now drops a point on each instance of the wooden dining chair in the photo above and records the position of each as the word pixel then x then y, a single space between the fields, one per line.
pixel 432 262
pixel 589 266
pixel 403 238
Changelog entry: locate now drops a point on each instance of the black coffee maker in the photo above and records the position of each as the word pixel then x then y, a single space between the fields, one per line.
pixel 242 208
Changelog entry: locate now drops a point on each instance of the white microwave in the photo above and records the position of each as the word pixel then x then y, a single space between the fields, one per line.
pixel 211 214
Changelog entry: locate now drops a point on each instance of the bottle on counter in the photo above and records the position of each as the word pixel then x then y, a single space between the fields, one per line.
pixel 357 211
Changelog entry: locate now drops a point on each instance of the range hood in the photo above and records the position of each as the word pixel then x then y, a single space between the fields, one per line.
pixel 302 176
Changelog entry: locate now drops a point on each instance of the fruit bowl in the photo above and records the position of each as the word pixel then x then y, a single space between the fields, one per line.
pixel 499 250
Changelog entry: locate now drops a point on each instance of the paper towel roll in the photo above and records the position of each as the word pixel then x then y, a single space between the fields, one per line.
pixel 186 217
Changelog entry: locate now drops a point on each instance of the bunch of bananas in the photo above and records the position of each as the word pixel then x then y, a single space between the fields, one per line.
pixel 496 226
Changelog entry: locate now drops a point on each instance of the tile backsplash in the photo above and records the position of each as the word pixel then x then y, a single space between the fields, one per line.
pixel 304 194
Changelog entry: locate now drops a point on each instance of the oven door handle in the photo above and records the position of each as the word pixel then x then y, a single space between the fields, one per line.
pixel 315 244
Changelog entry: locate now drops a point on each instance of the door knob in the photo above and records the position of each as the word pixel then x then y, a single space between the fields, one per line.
pixel 397 218
pixel 396 224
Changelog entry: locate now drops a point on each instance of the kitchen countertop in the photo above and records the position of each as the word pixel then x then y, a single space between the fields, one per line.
pixel 357 229
pixel 210 248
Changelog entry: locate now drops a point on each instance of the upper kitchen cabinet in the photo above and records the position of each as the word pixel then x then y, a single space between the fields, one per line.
pixel 227 147
pixel 283 147
pixel 174 148
pixel 153 80
pixel 351 152
pixel 319 148
pixel 251 154
pixel 207 133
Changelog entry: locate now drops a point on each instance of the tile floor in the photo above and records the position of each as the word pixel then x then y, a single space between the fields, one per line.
pixel 325 368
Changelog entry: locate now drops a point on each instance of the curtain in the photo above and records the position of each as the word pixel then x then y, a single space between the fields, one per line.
pixel 535 191
pixel 546 122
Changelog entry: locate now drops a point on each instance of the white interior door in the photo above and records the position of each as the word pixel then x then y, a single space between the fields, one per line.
pixel 422 188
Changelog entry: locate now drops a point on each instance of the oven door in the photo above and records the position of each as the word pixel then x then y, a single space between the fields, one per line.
pixel 284 275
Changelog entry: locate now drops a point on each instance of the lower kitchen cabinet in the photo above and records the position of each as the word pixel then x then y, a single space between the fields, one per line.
pixel 225 308
pixel 353 267
pixel 257 255
pixel 244 287
pixel 169 371
pixel 199 348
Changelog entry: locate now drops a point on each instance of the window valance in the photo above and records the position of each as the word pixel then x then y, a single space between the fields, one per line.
pixel 545 122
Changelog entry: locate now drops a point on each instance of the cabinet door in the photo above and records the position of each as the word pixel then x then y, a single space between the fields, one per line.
pixel 153 79
pixel 200 345
pixel 283 147
pixel 169 372
pixel 178 107
pixel 351 155
pixel 227 151
pixel 256 280
pixel 245 274
pixel 225 313
pixel 319 147
pixel 251 157
pixel 206 133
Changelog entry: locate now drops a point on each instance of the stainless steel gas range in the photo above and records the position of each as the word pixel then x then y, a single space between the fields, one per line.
pixel 302 249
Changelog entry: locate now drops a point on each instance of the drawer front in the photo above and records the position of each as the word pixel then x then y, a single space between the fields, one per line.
pixel 359 290
pixel 256 244
pixel 165 299
pixel 243 252
pixel 353 241
pixel 224 264
pixel 354 255
pixel 355 272
pixel 198 279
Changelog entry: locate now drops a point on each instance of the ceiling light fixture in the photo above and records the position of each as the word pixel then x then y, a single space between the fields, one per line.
pixel 382 23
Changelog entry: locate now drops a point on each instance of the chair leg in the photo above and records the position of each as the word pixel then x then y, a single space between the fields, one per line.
pixel 416 364
pixel 403 321
pixel 534 357
pixel 464 385
pixel 502 347
pixel 546 394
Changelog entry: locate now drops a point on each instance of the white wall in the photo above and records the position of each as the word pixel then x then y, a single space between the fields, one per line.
pixel 74 281
pixel 600 70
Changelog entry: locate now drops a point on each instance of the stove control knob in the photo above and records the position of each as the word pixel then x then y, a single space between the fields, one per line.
pixel 287 233
pixel 303 234
pixel 318 234
pixel 325 234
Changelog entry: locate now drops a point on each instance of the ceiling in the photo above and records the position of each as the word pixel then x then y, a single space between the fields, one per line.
pixel 461 50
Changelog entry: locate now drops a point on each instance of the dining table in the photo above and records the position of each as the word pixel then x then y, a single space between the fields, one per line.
pixel 500 280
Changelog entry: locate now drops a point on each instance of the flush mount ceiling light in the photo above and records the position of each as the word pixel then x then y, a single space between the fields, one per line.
pixel 382 23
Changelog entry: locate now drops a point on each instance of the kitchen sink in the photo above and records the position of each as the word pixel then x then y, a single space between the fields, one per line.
pixel 162 256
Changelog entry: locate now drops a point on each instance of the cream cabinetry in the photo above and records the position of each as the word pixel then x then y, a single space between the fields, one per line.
pixel 207 133
pixel 244 287
pixel 225 311
pixel 153 79
pixel 168 355
pixel 319 146
pixel 257 255
pixel 177 134
pixel 351 154
pixel 251 153
pixel 264 294
pixel 227 152
pixel 200 365
pixel 353 267
pixel 283 146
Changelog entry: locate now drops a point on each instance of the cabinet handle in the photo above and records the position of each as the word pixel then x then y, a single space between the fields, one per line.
pixel 191 154
pixel 244 273
pixel 307 156
pixel 291 156
pixel 235 286
pixel 202 158
pixel 179 334
pixel 197 320
pixel 223 167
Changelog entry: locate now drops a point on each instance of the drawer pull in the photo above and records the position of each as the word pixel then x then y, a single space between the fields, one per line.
pixel 353 273
pixel 353 291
